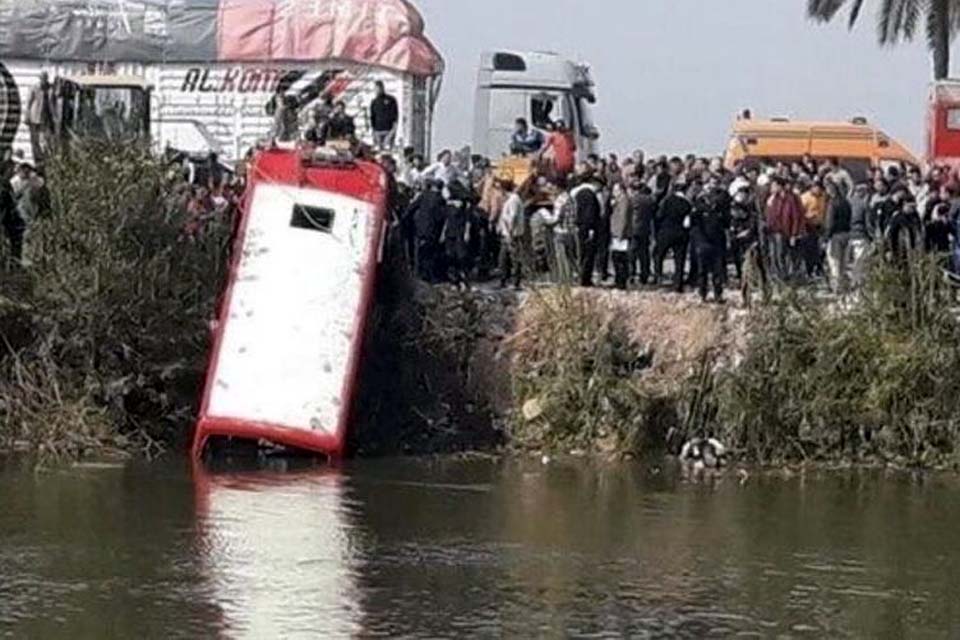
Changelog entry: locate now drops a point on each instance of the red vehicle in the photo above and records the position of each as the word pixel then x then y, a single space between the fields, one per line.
pixel 287 348
pixel 943 124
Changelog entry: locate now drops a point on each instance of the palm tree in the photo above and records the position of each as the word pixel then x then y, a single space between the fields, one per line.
pixel 898 20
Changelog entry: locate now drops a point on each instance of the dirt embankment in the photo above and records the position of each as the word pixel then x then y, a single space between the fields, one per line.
pixel 544 369
pixel 435 379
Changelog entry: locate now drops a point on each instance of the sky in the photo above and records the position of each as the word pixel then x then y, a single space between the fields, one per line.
pixel 672 74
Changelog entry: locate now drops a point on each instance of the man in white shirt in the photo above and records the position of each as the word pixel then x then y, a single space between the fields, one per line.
pixel 443 170
pixel 511 227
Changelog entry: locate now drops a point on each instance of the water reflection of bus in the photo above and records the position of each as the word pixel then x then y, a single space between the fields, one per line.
pixel 278 553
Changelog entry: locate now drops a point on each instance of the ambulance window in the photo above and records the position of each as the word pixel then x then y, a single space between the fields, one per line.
pixel 953 119
pixel 312 218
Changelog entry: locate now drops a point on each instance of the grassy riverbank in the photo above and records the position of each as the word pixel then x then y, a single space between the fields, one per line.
pixel 105 333
pixel 104 337
pixel 875 380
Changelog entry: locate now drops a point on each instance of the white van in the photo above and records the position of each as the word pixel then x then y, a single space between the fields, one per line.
pixel 538 86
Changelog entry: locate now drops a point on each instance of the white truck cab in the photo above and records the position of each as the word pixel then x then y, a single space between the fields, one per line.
pixel 541 87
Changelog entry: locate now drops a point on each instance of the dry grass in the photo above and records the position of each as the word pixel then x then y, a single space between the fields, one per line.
pixel 611 372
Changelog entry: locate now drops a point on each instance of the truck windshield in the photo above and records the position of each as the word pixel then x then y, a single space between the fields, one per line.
pixel 585 110
pixel 110 113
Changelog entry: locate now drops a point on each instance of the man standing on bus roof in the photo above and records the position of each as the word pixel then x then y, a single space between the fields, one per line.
pixel 384 115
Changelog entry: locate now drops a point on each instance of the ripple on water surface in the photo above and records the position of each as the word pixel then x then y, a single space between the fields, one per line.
pixel 472 549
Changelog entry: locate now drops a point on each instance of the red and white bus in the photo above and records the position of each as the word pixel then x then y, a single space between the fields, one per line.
pixel 288 345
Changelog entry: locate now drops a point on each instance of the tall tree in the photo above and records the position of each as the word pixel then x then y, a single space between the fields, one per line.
pixel 898 20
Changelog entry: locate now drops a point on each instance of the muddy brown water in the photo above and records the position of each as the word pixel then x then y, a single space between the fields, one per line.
pixel 474 549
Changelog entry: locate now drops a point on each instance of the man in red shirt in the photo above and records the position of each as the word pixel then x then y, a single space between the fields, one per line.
pixel 786 225
pixel 561 150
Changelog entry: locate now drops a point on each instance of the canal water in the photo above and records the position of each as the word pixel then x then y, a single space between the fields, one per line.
pixel 474 549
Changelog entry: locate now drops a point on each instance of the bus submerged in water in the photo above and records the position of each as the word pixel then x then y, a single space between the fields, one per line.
pixel 287 350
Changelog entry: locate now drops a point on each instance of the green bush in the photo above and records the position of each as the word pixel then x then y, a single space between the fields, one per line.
pixel 119 305
pixel 875 379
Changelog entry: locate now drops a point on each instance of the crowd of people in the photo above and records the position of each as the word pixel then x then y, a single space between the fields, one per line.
pixel 620 221
pixel 24 197
pixel 605 220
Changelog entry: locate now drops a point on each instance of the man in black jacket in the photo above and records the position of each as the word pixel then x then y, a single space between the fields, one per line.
pixel 341 125
pixel 710 223
pixel 644 205
pixel 384 115
pixel 429 214
pixel 586 198
pixel 837 229
pixel 673 235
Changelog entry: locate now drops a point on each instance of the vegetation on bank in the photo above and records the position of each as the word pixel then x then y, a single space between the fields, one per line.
pixel 103 342
pixel 875 379
pixel 594 372
pixel 104 335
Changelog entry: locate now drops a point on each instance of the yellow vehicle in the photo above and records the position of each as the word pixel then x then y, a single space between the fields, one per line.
pixel 856 144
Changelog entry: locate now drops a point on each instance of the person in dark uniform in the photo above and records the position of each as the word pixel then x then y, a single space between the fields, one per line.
pixel 673 235
pixel 341 125
pixel 428 214
pixel 586 198
pixel 456 234
pixel 708 232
